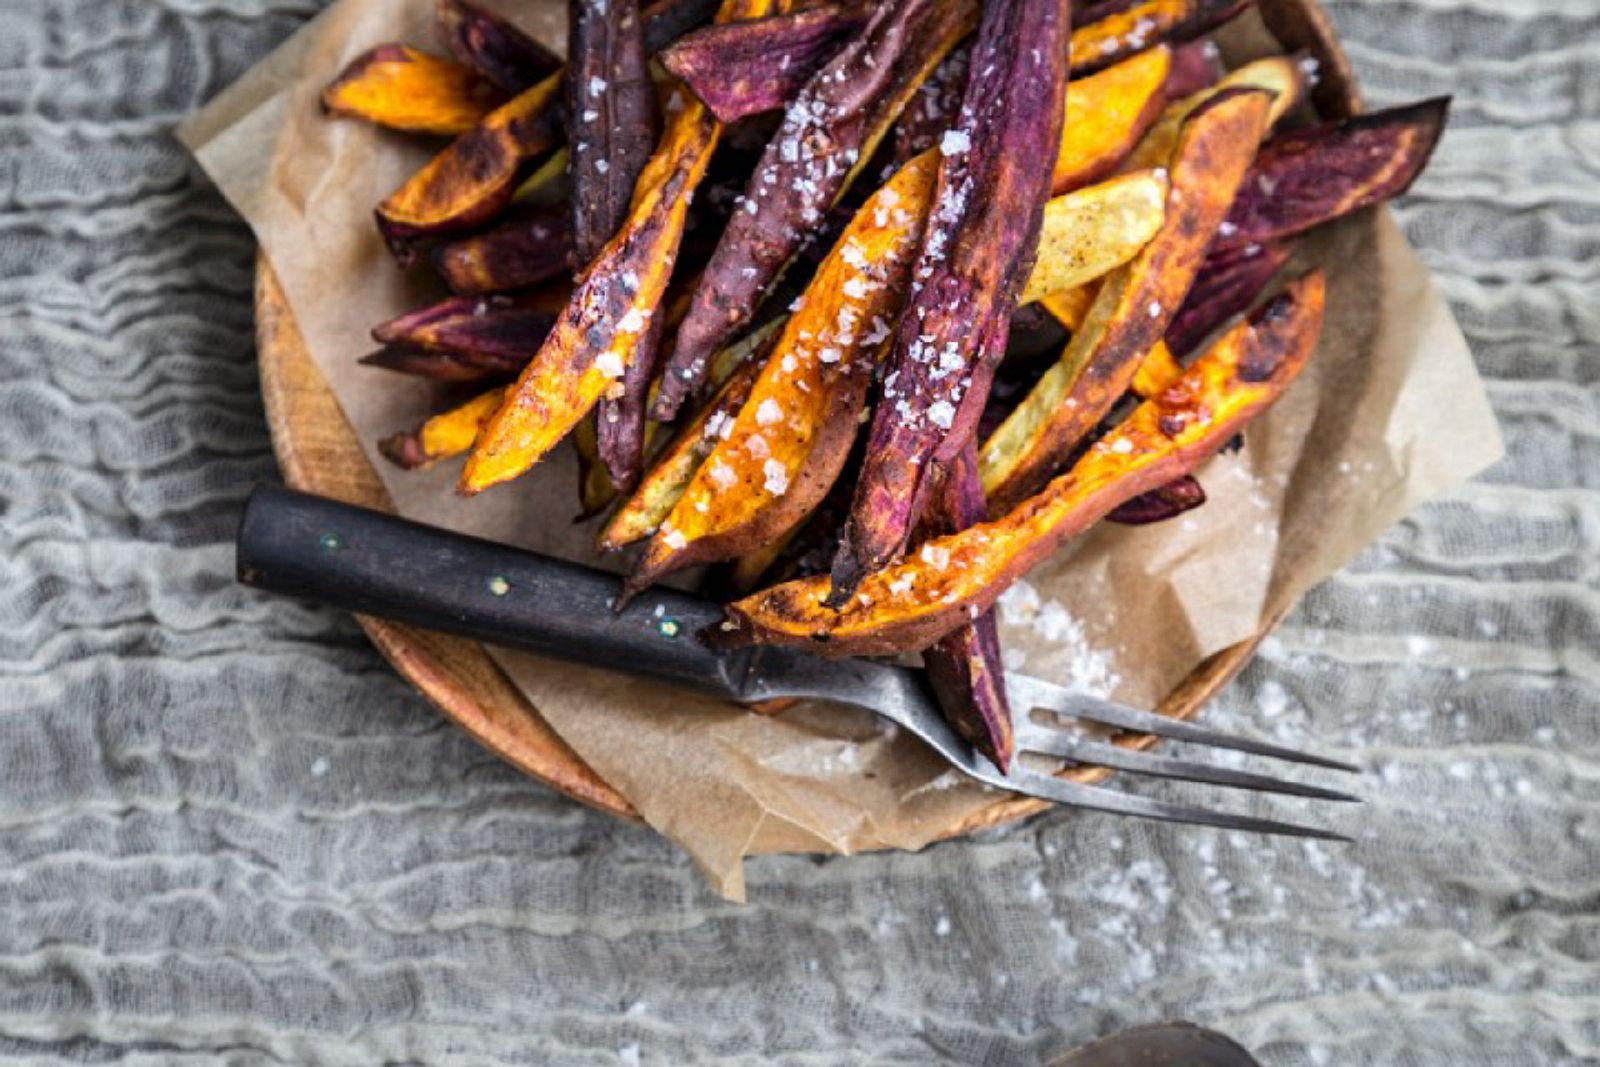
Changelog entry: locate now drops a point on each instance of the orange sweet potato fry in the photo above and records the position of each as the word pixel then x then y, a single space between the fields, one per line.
pixel 607 320
pixel 1114 30
pixel 1283 76
pixel 447 434
pixel 1134 304
pixel 472 180
pixel 608 317
pixel 794 431
pixel 404 89
pixel 910 605
pixel 1107 114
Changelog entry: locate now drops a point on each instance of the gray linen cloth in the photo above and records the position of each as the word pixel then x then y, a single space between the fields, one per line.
pixel 229 834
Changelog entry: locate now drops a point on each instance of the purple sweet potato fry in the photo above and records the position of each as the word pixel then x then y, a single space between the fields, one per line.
pixel 977 251
pixel 1112 31
pixel 933 109
pixel 489 327
pixel 1310 176
pixel 825 138
pixel 492 46
pixel 666 20
pixel 1158 505
pixel 612 120
pixel 619 421
pixel 738 69
pixel 965 669
pixel 441 366
pixel 530 247
pixel 1195 66
pixel 1228 283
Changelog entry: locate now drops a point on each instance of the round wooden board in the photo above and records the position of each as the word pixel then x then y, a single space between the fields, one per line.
pixel 318 453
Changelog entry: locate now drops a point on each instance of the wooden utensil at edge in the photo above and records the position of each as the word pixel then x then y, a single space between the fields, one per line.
pixel 318 453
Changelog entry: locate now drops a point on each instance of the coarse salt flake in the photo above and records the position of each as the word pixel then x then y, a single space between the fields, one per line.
pixel 777 476
pixel 768 412
pixel 954 142
pixel 942 414
pixel 609 364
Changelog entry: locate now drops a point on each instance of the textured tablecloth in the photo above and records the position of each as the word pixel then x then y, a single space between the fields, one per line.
pixel 229 834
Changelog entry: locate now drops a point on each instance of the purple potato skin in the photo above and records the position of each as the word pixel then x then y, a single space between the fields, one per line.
pixel 1316 174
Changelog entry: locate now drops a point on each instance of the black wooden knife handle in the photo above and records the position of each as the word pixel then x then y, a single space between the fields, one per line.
pixel 376 564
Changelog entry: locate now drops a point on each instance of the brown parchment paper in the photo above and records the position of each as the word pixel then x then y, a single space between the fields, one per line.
pixel 1390 412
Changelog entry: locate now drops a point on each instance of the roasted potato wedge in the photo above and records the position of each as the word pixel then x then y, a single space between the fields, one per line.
pixel 1134 304
pixel 403 89
pixel 910 605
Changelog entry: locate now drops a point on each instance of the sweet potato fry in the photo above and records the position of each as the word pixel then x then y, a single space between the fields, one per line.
pixel 910 605
pixel 666 20
pixel 1087 234
pixel 472 180
pixel 976 254
pixel 595 491
pixel 964 667
pixel 443 436
pixel 612 121
pixel 1107 114
pixel 501 328
pixel 933 109
pixel 736 367
pixel 1071 306
pixel 529 248
pixel 1228 283
pixel 1283 76
pixel 1158 505
pixel 1112 31
pixel 620 421
pixel 440 366
pixel 794 431
pixel 1311 176
pixel 404 89
pixel 739 69
pixel 825 139
pixel 491 45
pixel 1157 370
pixel 1134 304
pixel 599 333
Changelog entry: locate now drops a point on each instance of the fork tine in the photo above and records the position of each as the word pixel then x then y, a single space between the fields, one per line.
pixel 1056 743
pixel 1027 692
pixel 1097 798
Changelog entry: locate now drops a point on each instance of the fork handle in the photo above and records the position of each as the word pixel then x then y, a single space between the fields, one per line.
pixel 377 564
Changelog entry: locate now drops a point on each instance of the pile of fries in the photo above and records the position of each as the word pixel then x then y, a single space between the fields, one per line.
pixel 871 303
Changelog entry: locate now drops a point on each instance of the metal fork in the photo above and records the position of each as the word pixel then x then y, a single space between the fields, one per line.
pixel 377 564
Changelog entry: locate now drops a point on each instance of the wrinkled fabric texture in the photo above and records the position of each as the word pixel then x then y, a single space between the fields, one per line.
pixel 228 833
